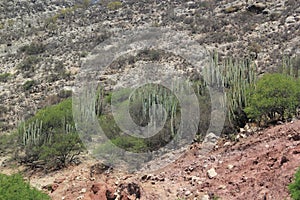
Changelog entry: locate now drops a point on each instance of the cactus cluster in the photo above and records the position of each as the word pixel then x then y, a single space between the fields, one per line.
pixel 150 96
pixel 290 66
pixel 235 77
pixel 32 133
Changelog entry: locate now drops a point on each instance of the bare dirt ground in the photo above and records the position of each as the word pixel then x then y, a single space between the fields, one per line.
pixel 259 166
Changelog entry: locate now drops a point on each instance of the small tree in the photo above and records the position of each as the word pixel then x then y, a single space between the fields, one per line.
pixel 274 94
pixel 50 136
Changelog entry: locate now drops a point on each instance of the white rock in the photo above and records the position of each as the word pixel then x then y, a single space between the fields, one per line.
pixel 230 167
pixel 205 197
pixel 83 190
pixel 290 20
pixel 227 144
pixel 212 173
pixel 187 193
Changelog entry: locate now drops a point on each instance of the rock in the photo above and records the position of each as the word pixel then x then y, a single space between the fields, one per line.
pixel 98 168
pixel 83 190
pixel 98 187
pixel 187 193
pixel 227 144
pixel 222 187
pixel 205 197
pixel 80 197
pixel 257 8
pixel 59 180
pixel 242 130
pixel 54 187
pixel 230 167
pixel 234 8
pixel 290 20
pixel 211 173
pixel 283 160
pixel 211 138
pixel 101 190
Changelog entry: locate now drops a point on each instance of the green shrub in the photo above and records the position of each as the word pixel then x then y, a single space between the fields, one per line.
pixel 15 188
pixel 29 63
pixel 274 95
pixel 4 77
pixel 294 187
pixel 130 143
pixel 28 85
pixel 114 5
pixel 8 142
pixel 33 48
pixel 50 136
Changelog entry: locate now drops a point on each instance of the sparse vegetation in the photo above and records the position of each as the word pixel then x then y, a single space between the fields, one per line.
pixel 4 77
pixel 29 63
pixel 114 5
pixel 49 138
pixel 33 49
pixel 294 187
pixel 14 187
pixel 28 85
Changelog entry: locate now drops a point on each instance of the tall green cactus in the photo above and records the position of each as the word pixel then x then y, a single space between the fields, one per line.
pixel 235 76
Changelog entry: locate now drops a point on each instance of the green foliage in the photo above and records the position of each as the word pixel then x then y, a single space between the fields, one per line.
pixel 4 77
pixel 65 12
pixel 62 150
pixel 10 22
pixel 8 142
pixel 28 84
pixel 50 136
pixel 33 49
pixel 115 5
pixel 86 3
pixel 294 187
pixel 29 63
pixel 130 143
pixel 234 77
pixel 290 66
pixel 273 95
pixel 15 188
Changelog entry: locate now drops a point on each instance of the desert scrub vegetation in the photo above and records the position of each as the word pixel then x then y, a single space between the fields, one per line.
pixel 114 5
pixel 49 139
pixel 14 188
pixel 28 85
pixel 4 77
pixel 29 63
pixel 274 97
pixel 8 143
pixel 33 49
pixel 294 187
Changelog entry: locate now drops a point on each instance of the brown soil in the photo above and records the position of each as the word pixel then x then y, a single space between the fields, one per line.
pixel 257 167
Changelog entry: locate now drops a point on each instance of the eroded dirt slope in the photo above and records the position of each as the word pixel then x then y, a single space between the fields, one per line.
pixel 259 166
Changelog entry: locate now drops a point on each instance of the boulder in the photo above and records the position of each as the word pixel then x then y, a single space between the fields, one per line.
pixel 211 173
pixel 257 8
pixel 101 191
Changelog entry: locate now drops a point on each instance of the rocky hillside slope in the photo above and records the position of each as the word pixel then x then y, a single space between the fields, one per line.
pixel 258 167
pixel 43 43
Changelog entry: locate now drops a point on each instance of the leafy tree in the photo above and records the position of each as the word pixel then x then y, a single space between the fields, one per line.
pixel 14 188
pixel 294 187
pixel 50 136
pixel 274 94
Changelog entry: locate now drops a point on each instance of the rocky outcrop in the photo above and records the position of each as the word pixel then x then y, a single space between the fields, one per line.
pixel 68 30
